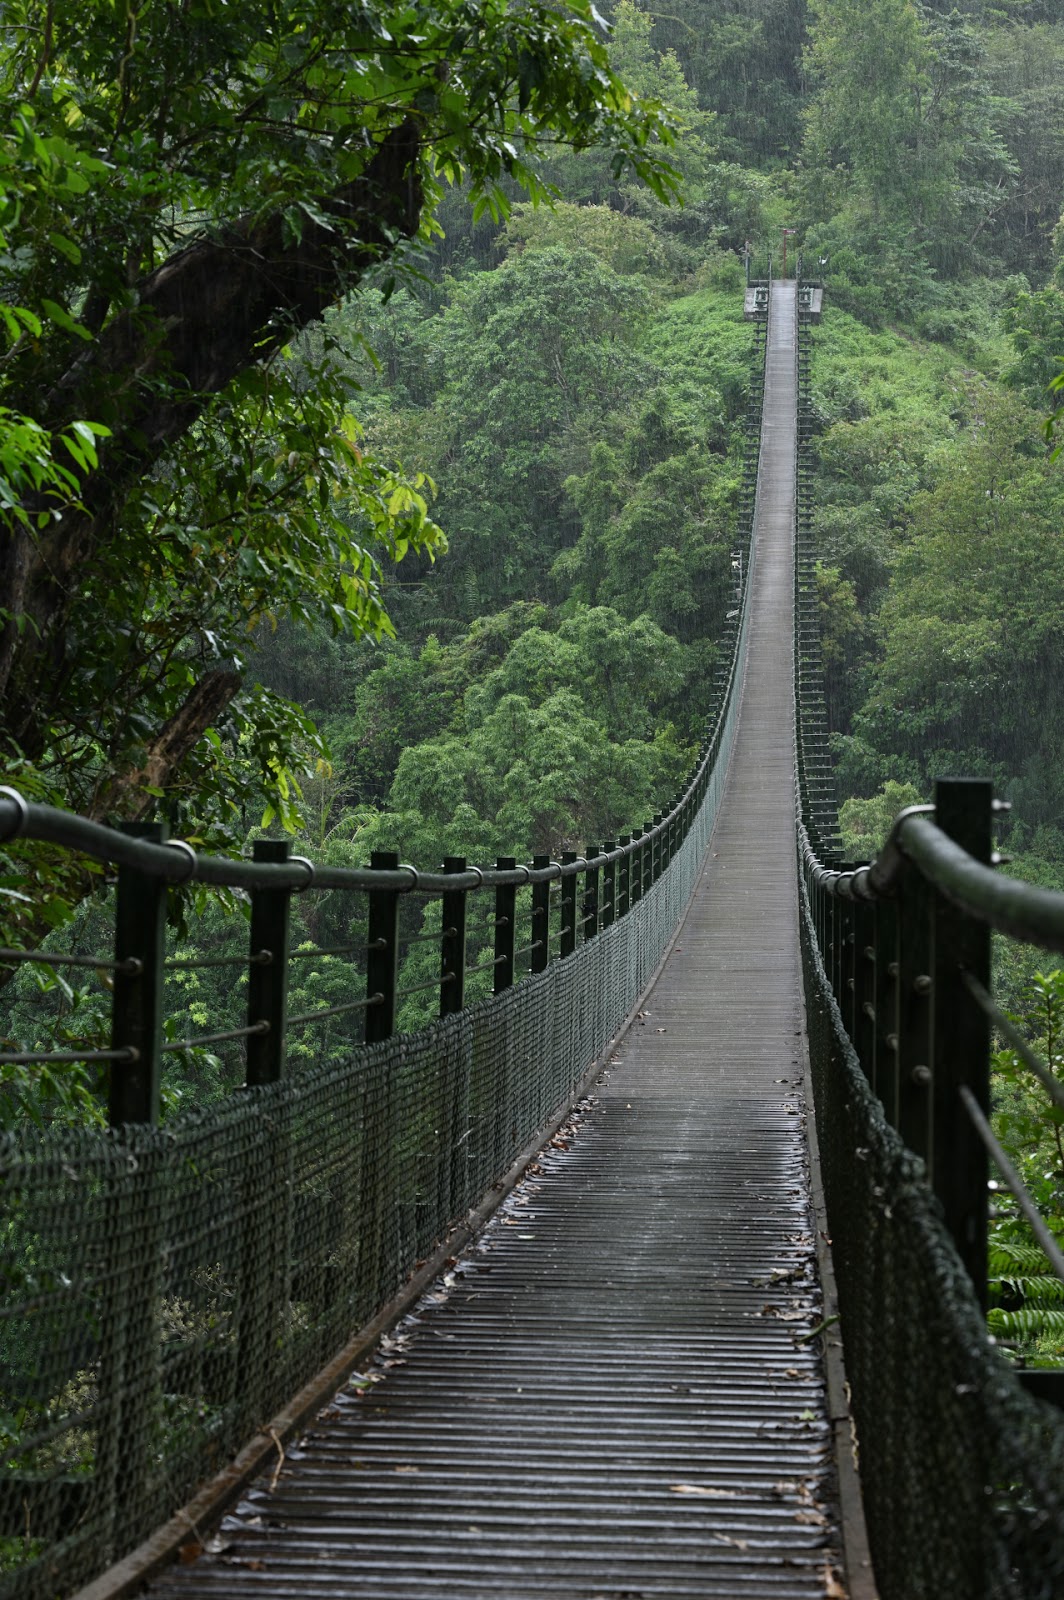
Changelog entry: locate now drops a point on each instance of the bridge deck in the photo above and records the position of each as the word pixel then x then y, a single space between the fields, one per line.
pixel 612 1396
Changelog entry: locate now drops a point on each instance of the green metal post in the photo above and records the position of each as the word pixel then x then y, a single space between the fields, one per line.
pixel 624 877
pixel 540 917
pixel 382 951
pixel 137 997
pixel 864 988
pixel 913 1011
pixel 505 926
pixel 885 1039
pixel 590 917
pixel 268 984
pixel 567 916
pixel 636 869
pixel 130 1378
pixel 609 886
pixel 961 1031
pixel 453 943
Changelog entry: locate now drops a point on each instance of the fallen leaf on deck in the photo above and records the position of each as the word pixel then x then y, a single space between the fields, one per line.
pixel 703 1490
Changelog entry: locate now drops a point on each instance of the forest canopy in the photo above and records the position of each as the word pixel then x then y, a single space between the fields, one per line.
pixel 332 455
pixel 182 190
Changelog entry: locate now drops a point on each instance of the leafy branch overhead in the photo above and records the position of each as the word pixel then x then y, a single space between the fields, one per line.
pixel 182 189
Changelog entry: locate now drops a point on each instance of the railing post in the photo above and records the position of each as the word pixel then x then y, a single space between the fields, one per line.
pixel 864 990
pixel 912 969
pixel 137 997
pixel 590 920
pixel 568 897
pixel 635 872
pixel 267 1223
pixel 840 932
pixel 453 942
pixel 505 927
pixel 624 877
pixel 382 951
pixel 130 1378
pixel 884 999
pixel 609 886
pixel 961 1031
pixel 268 982
pixel 540 918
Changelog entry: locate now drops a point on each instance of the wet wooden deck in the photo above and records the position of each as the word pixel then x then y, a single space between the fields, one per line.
pixel 614 1396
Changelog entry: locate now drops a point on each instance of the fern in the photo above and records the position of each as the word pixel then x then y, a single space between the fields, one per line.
pixel 1028 1324
pixel 1041 1290
pixel 1004 1256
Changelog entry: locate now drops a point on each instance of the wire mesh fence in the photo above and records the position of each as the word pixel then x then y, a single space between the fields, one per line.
pixel 167 1290
pixel 962 1468
pixel 962 1471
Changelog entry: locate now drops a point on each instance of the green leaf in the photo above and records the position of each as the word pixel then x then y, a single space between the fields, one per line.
pixel 66 247
pixel 62 319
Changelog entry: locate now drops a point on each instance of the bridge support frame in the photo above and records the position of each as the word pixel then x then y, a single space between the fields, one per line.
pixel 961 1033
pixel 268 983
pixel 137 996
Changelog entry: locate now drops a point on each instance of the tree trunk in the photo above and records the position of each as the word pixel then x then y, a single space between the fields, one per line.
pixel 209 312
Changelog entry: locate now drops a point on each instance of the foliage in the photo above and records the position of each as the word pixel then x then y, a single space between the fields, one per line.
pixel 189 187
pixel 744 57
pixel 1030 1299
pixel 970 629
pixel 903 164
pixel 1025 68
pixel 865 824
pixel 562 743
pixel 63 1093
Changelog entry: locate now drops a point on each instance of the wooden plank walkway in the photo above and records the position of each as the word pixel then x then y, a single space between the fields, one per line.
pixel 613 1397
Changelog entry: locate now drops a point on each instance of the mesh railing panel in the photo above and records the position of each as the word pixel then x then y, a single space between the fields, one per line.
pixel 962 1471
pixel 167 1291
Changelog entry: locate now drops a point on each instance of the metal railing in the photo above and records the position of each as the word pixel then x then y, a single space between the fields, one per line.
pixel 905 943
pixel 167 1290
pixel 962 1462
pixel 597 889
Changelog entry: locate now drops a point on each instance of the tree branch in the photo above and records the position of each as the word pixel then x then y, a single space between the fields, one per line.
pixel 125 795
pixel 208 313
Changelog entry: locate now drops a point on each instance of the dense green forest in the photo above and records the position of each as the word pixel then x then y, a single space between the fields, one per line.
pixel 432 549
pixel 494 488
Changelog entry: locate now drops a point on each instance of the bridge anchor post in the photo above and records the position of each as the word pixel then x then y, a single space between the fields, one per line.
pixel 961 1034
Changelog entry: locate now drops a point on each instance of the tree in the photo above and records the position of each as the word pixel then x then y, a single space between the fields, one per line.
pixel 971 629
pixel 537 355
pixel 1026 69
pixel 744 57
pixel 182 189
pixel 866 823
pixel 904 166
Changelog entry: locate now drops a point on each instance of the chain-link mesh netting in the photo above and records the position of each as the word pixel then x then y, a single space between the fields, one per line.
pixel 962 1470
pixel 167 1291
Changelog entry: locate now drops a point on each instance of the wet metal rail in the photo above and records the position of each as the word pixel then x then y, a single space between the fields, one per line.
pixel 617 1394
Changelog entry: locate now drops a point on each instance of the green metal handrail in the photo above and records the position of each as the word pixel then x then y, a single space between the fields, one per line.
pixel 905 944
pixel 149 863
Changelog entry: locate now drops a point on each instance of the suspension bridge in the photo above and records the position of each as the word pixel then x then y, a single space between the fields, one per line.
pixel 541 1300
